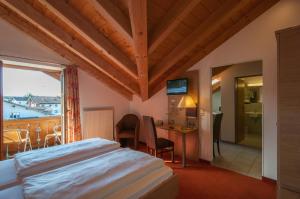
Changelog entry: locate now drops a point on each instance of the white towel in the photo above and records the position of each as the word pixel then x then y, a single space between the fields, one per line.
pixel 97 177
pixel 36 161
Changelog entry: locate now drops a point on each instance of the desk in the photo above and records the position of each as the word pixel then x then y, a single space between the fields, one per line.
pixel 183 132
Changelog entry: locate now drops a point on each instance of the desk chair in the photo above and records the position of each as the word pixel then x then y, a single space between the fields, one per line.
pixel 159 145
pixel 217 131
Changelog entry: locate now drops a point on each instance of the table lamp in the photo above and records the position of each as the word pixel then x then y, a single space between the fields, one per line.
pixel 186 102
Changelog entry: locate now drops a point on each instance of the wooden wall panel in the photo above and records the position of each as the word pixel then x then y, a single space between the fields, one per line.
pixel 287 194
pixel 289 110
pixel 1 111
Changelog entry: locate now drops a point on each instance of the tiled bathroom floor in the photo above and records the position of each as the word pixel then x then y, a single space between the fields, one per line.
pixel 252 140
pixel 241 159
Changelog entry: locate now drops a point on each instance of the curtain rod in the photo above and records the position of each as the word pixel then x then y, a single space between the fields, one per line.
pixel 34 60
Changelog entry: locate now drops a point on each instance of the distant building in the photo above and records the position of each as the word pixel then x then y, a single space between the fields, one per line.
pixel 19 107
pixel 16 111
pixel 51 104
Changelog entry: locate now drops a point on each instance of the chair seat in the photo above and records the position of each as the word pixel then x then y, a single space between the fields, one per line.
pixel 126 134
pixel 164 143
pixel 50 135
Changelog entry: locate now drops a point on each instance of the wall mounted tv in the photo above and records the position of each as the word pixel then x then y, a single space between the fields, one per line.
pixel 177 86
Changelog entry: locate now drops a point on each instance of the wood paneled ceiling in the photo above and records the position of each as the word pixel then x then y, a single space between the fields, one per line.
pixel 133 46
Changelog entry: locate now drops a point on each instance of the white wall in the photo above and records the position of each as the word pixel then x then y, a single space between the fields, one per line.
pixel 255 42
pixel 157 107
pixel 94 93
pixel 18 44
pixel 228 94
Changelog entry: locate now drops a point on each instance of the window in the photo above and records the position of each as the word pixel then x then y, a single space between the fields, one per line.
pixel 27 98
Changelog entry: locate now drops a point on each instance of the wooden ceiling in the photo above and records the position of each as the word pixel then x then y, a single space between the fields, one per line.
pixel 133 46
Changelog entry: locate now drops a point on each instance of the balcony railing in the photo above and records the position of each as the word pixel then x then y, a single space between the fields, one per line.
pixel 26 134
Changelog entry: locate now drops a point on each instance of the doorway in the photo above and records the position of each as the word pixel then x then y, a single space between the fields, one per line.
pixel 236 98
pixel 32 107
pixel 248 108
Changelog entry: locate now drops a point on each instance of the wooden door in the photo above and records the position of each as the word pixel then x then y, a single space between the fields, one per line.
pixel 289 109
pixel 1 111
pixel 240 112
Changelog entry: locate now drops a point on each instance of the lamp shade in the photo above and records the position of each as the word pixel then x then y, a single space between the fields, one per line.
pixel 186 102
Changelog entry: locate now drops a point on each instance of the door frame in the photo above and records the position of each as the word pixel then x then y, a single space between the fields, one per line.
pixel 1 111
pixel 211 106
pixel 236 106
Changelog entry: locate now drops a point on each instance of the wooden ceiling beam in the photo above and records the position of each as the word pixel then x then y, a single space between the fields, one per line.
pixel 211 45
pixel 50 28
pixel 83 27
pixel 22 24
pixel 200 34
pixel 55 75
pixel 138 18
pixel 115 17
pixel 170 21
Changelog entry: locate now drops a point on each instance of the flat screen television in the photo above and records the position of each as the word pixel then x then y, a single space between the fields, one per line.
pixel 177 86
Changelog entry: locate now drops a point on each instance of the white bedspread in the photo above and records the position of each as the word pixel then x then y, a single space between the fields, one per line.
pixel 37 161
pixel 97 177
pixel 143 185
pixel 8 176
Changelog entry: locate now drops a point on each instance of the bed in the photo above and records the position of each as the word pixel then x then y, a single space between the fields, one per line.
pixel 37 161
pixel 8 172
pixel 167 190
pixel 121 173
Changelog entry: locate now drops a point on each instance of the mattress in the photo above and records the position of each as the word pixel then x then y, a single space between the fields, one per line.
pixel 128 191
pixel 37 161
pixel 8 176
pixel 101 176
pixel 143 185
pixel 15 192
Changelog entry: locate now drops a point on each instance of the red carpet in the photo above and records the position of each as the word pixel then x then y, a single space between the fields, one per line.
pixel 200 180
pixel 203 181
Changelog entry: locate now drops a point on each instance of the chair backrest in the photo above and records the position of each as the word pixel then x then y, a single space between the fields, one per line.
pixel 150 130
pixel 23 134
pixel 130 122
pixel 217 125
pixel 57 129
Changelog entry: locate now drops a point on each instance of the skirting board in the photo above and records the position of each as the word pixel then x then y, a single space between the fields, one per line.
pixel 268 180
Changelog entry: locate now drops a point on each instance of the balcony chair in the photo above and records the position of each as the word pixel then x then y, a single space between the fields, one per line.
pixel 217 119
pixel 159 145
pixel 24 139
pixel 128 127
pixel 56 135
pixel 17 136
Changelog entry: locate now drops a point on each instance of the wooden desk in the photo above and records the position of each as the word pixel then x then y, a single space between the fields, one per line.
pixel 183 132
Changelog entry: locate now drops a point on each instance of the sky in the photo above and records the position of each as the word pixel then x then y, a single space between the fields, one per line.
pixel 18 82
